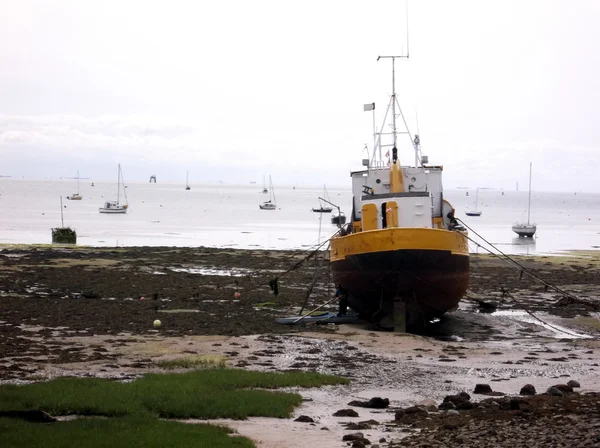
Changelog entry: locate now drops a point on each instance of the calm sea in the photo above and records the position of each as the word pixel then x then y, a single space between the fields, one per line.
pixel 223 215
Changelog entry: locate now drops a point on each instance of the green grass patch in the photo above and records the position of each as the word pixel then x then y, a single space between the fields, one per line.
pixel 193 362
pixel 203 394
pixel 589 322
pixel 128 432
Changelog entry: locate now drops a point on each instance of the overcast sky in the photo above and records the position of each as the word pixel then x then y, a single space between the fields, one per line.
pixel 232 90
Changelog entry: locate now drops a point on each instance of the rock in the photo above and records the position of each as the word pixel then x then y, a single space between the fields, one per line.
pixel 573 383
pixel 358 444
pixel 456 399
pixel 465 406
pixel 453 412
pixel 399 415
pixel 90 294
pixel 554 392
pixel 382 440
pixel 346 413
pixel 415 410
pixel 373 403
pixel 528 389
pixel 353 436
pixel 564 388
pixel 304 419
pixel 446 406
pixel 482 389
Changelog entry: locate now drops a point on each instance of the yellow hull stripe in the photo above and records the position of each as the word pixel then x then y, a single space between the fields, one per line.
pixel 398 238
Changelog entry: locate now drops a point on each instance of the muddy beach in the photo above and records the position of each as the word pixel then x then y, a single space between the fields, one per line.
pixel 89 312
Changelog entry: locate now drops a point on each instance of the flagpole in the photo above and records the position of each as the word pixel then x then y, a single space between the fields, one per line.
pixel 374 129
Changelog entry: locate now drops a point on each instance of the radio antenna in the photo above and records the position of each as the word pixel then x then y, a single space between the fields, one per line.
pixel 407 46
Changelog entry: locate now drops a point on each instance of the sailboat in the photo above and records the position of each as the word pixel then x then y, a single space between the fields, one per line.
pixel 323 208
pixel 76 196
pixel 264 190
pixel 116 206
pixel 474 212
pixel 522 229
pixel 62 234
pixel 187 184
pixel 271 204
pixel 403 258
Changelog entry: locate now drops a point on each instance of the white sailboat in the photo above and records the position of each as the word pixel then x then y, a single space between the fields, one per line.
pixel 522 229
pixel 187 183
pixel 323 208
pixel 116 206
pixel 475 211
pixel 271 204
pixel 76 196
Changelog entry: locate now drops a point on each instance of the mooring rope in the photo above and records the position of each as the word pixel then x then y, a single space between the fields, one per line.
pixel 514 262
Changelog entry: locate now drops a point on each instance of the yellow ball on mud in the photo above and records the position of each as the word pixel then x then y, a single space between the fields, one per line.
pixel 157 323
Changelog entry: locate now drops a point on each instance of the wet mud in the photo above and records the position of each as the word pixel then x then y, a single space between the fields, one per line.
pixel 90 312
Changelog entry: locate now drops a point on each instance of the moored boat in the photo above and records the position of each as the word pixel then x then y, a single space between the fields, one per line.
pixel 402 259
pixel 116 207
pixel 526 230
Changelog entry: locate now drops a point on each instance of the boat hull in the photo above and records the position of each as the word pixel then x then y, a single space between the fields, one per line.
pixel 525 231
pixel 427 269
pixel 473 213
pixel 114 211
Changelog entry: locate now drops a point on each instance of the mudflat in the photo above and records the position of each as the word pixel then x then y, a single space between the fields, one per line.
pixel 90 312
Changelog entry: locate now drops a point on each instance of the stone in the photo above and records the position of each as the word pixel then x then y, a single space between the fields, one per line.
pixel 415 410
pixel 373 403
pixel 453 412
pixel 482 389
pixel 304 419
pixel 346 413
pixel 465 406
pixel 554 392
pixel 353 436
pixel 399 415
pixel 446 406
pixel 528 389
pixel 564 388
pixel 573 383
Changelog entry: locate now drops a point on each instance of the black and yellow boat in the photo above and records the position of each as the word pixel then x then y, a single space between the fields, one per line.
pixel 402 259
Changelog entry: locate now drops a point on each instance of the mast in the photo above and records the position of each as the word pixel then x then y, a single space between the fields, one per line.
pixel 62 222
pixel 118 182
pixel 78 182
pixel 529 200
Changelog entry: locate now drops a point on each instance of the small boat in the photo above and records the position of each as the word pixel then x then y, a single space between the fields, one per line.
pixel 474 212
pixel 323 208
pixel 271 204
pixel 62 234
pixel 526 230
pixel 187 184
pixel 403 258
pixel 115 207
pixel 76 196
pixel 338 219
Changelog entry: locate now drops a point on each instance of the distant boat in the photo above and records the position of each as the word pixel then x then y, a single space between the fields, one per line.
pixel 187 184
pixel 62 234
pixel 76 196
pixel 271 204
pixel 264 190
pixel 475 211
pixel 324 208
pixel 338 219
pixel 522 229
pixel 116 206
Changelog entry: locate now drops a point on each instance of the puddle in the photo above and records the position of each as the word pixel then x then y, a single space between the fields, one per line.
pixel 558 331
pixel 235 272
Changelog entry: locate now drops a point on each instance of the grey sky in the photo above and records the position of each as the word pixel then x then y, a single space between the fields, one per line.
pixel 234 89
